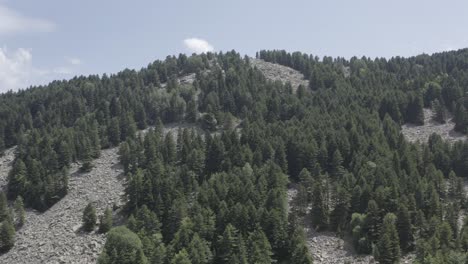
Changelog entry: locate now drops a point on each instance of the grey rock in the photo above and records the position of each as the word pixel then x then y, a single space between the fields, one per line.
pixel 54 236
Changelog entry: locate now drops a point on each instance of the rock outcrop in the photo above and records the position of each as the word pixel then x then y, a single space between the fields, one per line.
pixel 277 72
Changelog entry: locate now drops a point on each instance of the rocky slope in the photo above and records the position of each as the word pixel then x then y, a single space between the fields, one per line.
pixel 54 236
pixel 327 247
pixel 6 161
pixel 277 72
pixel 415 133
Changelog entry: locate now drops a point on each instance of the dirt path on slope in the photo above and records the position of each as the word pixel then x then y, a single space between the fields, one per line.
pixel 54 236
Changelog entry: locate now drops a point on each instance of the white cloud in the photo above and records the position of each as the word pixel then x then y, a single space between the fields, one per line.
pixel 198 45
pixel 62 70
pixel 13 22
pixel 73 61
pixel 17 70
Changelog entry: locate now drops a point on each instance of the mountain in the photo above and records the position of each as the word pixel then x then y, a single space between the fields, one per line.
pixel 219 158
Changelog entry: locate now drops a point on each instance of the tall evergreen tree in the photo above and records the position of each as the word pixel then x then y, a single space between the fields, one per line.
pixel 105 223
pixel 89 218
pixel 388 245
pixel 19 211
pixel 7 236
pixel 404 227
pixel 319 212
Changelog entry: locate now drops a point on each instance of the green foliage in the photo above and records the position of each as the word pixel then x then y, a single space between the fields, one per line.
pixel 4 211
pixel 105 222
pixel 181 258
pixel 122 247
pixel 213 195
pixel 7 236
pixel 404 226
pixel 319 212
pixel 388 246
pixel 19 211
pixel 89 218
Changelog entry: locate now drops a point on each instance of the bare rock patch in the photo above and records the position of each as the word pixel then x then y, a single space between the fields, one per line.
pixel 6 163
pixel 277 72
pixel 54 236
pixel 414 133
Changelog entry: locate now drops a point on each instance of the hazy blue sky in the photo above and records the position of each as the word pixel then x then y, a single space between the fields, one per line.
pixel 56 39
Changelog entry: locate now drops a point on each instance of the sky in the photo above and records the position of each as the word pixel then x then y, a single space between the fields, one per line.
pixel 41 41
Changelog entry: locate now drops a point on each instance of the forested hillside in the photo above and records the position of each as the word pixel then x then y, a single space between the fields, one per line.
pixel 217 194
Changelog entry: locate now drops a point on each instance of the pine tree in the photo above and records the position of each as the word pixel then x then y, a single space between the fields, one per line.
pixel 460 118
pixel 415 113
pixel 140 117
pixel 340 214
pixel 89 218
pixel 440 113
pixel 388 245
pixel 147 221
pixel 405 231
pixel 17 181
pixel 319 210
pixel 105 223
pixel 192 112
pixel 199 250
pixel 337 165
pixel 181 257
pixel 259 248
pixel 373 222
pixel 7 236
pixel 4 213
pixel 434 207
pixel 170 153
pixel 445 235
pixel 114 132
pixel 87 165
pixel 298 248
pixel 64 154
pixel 231 247
pixel 19 211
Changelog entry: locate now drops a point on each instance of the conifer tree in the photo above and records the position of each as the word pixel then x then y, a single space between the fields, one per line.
pixel 460 118
pixel 298 248
pixel 319 212
pixel 199 250
pixel 192 112
pixel 259 248
pixel 181 257
pixel 373 222
pixel 105 223
pixel 440 113
pixel 19 211
pixel 388 245
pixel 337 165
pixel 404 227
pixel 340 214
pixel 89 218
pixel 7 236
pixel 114 132
pixel 4 211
